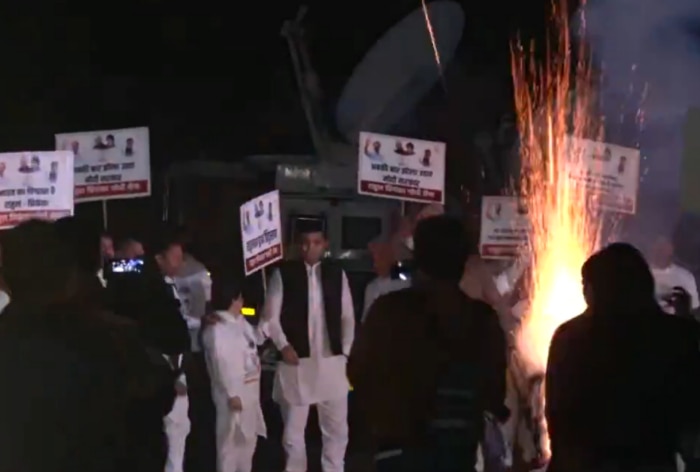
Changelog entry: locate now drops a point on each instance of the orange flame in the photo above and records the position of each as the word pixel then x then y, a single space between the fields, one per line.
pixel 554 100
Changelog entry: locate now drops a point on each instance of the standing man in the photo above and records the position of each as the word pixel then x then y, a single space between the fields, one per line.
pixel 168 256
pixel 193 282
pixel 382 284
pixel 130 248
pixel 668 276
pixel 311 321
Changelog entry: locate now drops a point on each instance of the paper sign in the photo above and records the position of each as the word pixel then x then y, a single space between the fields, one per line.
pixel 504 227
pixel 109 164
pixel 401 168
pixel 609 172
pixel 261 232
pixel 35 185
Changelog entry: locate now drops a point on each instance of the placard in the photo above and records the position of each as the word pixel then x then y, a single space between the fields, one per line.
pixel 401 168
pixel 609 172
pixel 35 185
pixel 504 227
pixel 261 232
pixel 109 164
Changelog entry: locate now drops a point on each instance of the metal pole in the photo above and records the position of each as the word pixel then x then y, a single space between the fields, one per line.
pixel 264 281
pixel 104 214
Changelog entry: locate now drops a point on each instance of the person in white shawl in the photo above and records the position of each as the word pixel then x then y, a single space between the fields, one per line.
pixel 231 352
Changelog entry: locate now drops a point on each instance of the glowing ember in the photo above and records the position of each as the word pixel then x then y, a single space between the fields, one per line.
pixel 554 100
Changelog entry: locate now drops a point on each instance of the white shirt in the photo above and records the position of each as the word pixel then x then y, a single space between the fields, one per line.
pixel 381 286
pixel 101 277
pixel 321 376
pixel 231 350
pixel 193 284
pixel 674 276
pixel 4 300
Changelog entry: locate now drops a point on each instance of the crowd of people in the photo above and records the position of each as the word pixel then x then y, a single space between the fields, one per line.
pixel 155 369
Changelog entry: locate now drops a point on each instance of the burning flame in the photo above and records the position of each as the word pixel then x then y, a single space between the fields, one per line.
pixel 555 100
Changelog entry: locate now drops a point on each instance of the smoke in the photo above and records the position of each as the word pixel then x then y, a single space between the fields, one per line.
pixel 649 55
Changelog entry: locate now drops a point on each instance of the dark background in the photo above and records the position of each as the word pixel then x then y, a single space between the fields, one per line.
pixel 217 85
pixel 215 81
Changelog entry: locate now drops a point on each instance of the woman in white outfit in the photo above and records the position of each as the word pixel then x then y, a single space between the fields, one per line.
pixel 231 350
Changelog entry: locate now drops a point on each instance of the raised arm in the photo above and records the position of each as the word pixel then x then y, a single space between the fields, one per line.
pixel 347 317
pixel 272 310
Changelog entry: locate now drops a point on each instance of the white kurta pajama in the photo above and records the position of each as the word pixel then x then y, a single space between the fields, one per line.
pixel 177 423
pixel 234 368
pixel 319 380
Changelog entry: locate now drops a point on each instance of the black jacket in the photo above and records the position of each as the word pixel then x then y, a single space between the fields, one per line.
pixel 410 343
pixel 65 393
pixel 621 390
pixel 150 302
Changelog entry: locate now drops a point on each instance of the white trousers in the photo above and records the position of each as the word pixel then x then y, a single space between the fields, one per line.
pixel 177 427
pixel 237 455
pixel 333 422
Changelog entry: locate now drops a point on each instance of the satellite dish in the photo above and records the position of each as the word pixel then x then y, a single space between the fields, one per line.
pixel 401 68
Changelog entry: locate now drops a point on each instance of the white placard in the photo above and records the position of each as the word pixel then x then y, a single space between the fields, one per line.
pixel 609 172
pixel 109 164
pixel 261 231
pixel 35 185
pixel 401 168
pixel 504 227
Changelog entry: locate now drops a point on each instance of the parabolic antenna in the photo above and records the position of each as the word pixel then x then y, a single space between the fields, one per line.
pixel 399 70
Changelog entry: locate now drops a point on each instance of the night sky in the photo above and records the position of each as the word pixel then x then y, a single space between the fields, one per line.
pixel 217 85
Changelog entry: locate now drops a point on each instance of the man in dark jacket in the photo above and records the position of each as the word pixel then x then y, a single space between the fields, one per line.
pixel 146 299
pixel 429 361
pixel 66 386
pixel 623 379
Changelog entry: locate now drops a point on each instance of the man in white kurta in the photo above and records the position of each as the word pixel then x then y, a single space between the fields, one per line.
pixel 314 346
pixel 668 275
pixel 234 369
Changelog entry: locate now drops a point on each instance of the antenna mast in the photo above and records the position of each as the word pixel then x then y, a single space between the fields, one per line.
pixel 307 80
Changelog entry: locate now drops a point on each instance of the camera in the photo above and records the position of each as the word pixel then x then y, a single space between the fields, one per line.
pixel 120 267
pixel 402 270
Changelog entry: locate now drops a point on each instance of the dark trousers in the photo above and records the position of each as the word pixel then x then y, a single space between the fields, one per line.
pixel 200 449
pixel 444 451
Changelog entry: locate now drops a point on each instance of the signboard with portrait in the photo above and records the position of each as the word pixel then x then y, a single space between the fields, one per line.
pixel 109 164
pixel 401 168
pixel 35 185
pixel 609 172
pixel 504 227
pixel 261 232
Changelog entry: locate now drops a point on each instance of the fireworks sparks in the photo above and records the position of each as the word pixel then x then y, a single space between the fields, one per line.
pixel 555 100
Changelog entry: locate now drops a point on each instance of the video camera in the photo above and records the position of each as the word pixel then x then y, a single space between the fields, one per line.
pixel 402 270
pixel 121 267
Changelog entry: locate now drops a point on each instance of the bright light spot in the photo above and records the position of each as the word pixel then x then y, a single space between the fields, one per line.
pixel 554 100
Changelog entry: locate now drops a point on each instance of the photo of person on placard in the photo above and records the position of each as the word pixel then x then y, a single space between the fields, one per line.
pixel 24 166
pixel 621 165
pixel 129 148
pixel 425 161
pixel 373 150
pixel 98 143
pixel 53 173
pixel 493 212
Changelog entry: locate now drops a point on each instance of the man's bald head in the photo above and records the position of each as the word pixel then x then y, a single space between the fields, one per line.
pixel 130 248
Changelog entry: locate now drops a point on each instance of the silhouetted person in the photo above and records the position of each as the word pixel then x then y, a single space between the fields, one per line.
pixel 429 361
pixel 623 379
pixel 84 242
pixel 66 384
